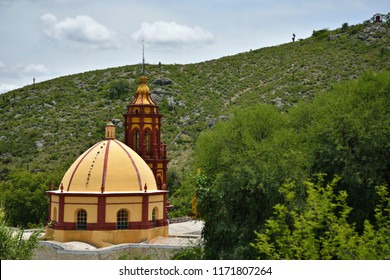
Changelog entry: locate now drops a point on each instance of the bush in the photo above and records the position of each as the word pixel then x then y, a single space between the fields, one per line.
pixel 191 253
pixel 118 89
pixel 320 230
pixel 321 34
pixel 13 245
pixel 344 26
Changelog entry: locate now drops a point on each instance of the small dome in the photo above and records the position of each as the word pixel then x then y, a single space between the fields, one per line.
pixel 142 95
pixel 109 166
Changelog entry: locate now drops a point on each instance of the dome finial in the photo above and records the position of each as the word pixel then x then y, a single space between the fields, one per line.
pixel 110 130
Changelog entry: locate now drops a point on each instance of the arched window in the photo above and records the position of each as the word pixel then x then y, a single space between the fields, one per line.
pixel 147 142
pixel 81 219
pixel 136 140
pixel 159 182
pixel 122 219
pixel 154 216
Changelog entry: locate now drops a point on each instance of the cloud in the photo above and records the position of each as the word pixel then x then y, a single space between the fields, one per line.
pixel 36 69
pixel 82 30
pixel 13 75
pixel 7 87
pixel 172 33
pixel 23 69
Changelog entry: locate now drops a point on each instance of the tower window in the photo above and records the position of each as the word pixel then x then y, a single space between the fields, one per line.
pixel 122 219
pixel 136 140
pixel 81 219
pixel 147 142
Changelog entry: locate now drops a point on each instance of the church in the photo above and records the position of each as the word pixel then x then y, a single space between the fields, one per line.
pixel 115 192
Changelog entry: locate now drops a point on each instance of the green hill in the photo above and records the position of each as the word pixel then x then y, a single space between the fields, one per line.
pixel 46 126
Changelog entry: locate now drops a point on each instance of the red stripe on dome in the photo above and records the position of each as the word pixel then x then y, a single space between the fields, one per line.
pixel 78 164
pixel 105 166
pixel 132 161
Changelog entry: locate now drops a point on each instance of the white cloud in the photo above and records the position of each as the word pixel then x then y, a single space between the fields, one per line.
pixel 172 33
pixel 36 69
pixel 22 69
pixel 81 30
pixel 7 87
pixel 13 77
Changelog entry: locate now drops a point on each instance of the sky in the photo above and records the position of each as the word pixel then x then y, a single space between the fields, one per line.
pixel 44 39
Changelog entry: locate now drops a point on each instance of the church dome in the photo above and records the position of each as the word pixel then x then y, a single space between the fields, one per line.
pixel 108 166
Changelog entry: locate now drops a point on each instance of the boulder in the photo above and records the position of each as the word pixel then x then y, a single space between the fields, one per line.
pixel 162 81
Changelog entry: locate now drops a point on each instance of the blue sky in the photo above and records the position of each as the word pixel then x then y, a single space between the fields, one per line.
pixel 44 39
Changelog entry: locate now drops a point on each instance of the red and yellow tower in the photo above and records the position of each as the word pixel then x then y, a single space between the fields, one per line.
pixel 143 132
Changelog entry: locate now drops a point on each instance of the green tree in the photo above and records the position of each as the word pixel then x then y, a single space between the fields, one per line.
pixel 243 161
pixel 346 132
pixel 320 230
pixel 118 89
pixel 24 196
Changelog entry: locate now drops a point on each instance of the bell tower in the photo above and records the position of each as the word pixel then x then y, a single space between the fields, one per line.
pixel 143 132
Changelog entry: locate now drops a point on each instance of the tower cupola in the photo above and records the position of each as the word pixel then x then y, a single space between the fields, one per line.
pixel 143 132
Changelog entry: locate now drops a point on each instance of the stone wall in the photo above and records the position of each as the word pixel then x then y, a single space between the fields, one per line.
pixel 51 251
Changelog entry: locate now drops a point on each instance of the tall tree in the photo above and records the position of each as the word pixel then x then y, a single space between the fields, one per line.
pixel 243 161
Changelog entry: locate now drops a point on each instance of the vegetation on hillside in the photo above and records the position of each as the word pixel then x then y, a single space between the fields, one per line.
pixel 46 126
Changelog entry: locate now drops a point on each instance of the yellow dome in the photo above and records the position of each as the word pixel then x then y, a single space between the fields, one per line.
pixel 108 166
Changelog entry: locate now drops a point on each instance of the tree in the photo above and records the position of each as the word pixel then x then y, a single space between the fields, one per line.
pixel 346 133
pixel 243 160
pixel 24 196
pixel 118 88
pixel 320 230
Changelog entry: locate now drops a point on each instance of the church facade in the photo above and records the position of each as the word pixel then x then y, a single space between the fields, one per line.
pixel 115 192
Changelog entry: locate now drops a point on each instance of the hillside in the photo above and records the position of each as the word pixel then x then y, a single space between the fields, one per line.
pixel 46 126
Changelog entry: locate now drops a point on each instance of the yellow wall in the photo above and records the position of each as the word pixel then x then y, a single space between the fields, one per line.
pixel 54 212
pixel 159 206
pixel 124 199
pixel 70 212
pixel 135 212
pixel 54 204
pixel 156 198
pixel 133 204
pixel 75 199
